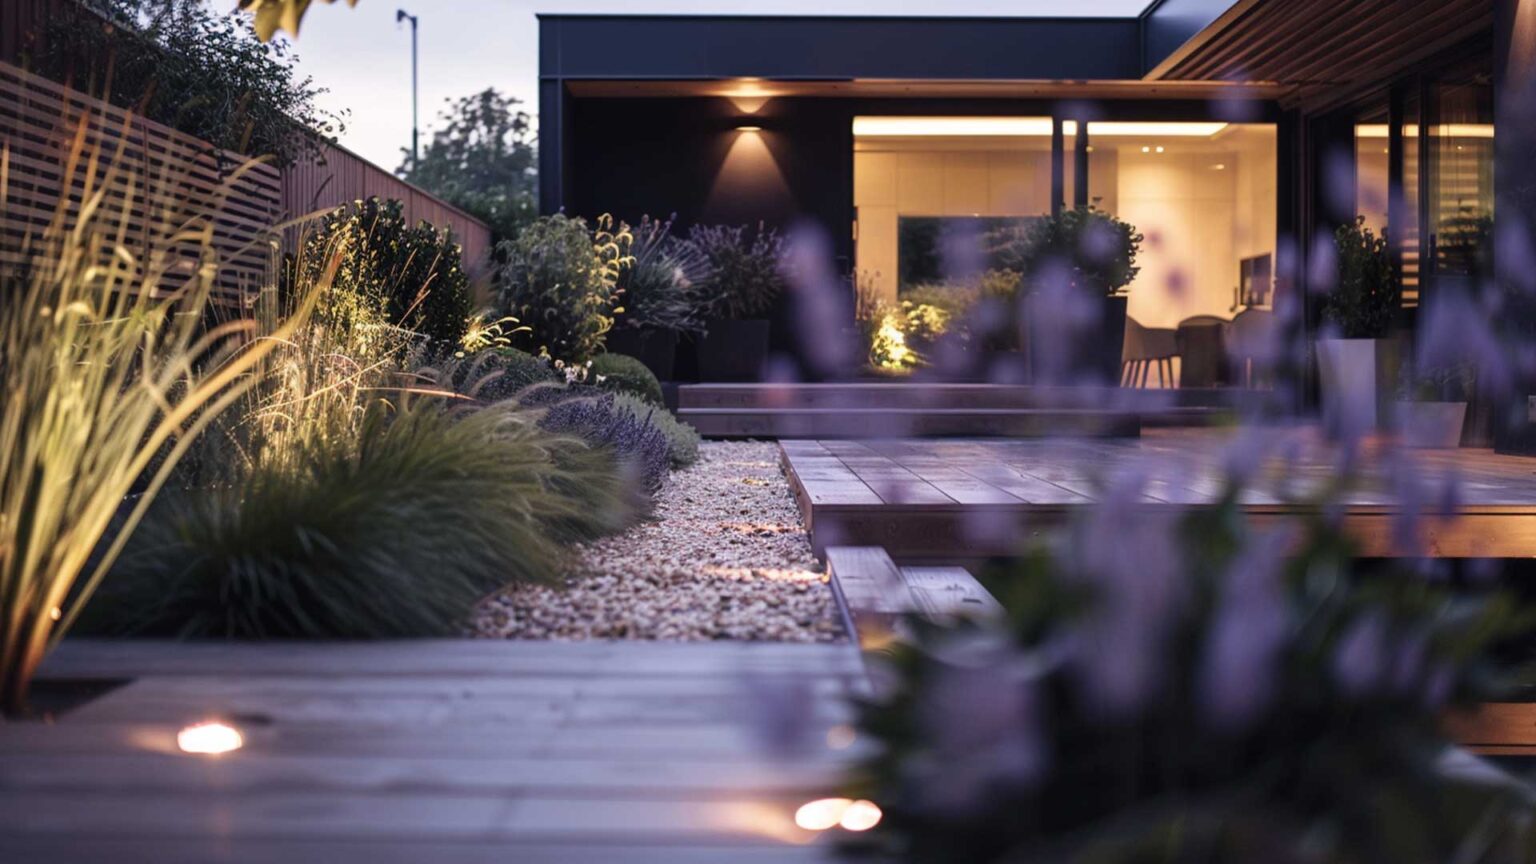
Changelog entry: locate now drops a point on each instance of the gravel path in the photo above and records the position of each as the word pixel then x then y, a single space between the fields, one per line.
pixel 725 557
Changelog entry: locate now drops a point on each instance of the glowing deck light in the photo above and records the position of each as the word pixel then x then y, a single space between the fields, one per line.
pixel 210 738
pixel 821 814
pixel 861 816
pixel 749 128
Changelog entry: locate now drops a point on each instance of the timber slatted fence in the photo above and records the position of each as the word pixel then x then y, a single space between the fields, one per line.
pixel 175 177
pixel 240 198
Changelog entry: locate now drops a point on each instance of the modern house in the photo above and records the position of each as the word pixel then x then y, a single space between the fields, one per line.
pixel 1234 135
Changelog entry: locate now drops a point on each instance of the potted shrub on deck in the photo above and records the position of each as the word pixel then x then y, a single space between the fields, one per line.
pixel 1357 367
pixel 662 297
pixel 1075 267
pixel 1432 406
pixel 743 284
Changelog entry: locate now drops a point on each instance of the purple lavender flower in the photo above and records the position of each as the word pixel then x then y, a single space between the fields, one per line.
pixel 1360 658
pixel 1248 635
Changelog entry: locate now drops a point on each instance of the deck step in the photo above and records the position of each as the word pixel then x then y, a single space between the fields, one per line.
pixel 879 595
pixel 913 395
pixel 904 422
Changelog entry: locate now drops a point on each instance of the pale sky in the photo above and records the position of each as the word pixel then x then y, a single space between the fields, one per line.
pixel 364 59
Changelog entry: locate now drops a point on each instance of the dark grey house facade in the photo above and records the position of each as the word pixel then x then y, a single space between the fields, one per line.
pixel 1284 119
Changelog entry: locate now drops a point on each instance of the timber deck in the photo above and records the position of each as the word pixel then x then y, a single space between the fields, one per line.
pixel 427 751
pixel 962 500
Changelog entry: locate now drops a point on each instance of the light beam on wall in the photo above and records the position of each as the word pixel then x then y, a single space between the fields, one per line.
pixel 749 184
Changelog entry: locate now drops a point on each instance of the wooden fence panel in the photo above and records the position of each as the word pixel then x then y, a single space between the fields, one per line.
pixel 339 176
pixel 177 176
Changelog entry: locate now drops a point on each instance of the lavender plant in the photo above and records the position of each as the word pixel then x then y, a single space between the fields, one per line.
pixel 1191 689
pixel 640 447
pixel 745 268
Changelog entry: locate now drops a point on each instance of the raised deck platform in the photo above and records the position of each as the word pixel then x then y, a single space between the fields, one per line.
pixel 916 408
pixel 934 500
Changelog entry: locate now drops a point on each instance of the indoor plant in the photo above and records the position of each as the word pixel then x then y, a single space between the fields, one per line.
pixel 661 296
pixel 1358 365
pixel 744 282
pixel 1432 405
pixel 1075 267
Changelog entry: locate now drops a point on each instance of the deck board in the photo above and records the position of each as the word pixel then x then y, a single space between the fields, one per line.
pixel 970 499
pixel 452 749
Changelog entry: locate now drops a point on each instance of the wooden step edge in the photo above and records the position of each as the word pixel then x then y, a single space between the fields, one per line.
pixel 870 589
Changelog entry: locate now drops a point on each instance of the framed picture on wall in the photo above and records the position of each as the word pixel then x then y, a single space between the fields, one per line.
pixel 1255 282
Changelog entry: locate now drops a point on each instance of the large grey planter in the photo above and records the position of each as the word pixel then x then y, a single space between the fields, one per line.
pixel 1357 379
pixel 1434 425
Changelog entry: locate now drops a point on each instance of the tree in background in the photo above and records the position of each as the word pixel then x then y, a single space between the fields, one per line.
pixel 270 16
pixel 483 160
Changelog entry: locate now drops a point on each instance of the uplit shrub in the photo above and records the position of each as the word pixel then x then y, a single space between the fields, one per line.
pixel 414 275
pixel 640 447
pixel 623 374
pixel 397 533
pixel 664 288
pixel 559 278
pixel 745 266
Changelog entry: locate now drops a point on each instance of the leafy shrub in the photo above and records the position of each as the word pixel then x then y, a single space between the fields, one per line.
pixel 1096 250
pixel 663 288
pixel 190 67
pixel 559 278
pixel 396 533
pixel 639 445
pixel 624 374
pixel 1365 300
pixel 682 439
pixel 745 275
pixel 414 274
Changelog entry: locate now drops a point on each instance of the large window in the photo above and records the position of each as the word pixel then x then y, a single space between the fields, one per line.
pixel 934 193
pixel 1203 194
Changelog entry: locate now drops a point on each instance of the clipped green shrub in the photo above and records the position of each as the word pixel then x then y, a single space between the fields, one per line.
pixel 1095 249
pixel 559 278
pixel 414 275
pixel 624 374
pixel 397 533
pixel 682 439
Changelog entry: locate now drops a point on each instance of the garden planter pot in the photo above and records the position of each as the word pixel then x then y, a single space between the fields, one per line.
pixel 1357 380
pixel 1089 354
pixel 733 350
pixel 657 349
pixel 1431 424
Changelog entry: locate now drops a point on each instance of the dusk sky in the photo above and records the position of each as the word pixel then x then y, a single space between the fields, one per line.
pixel 364 58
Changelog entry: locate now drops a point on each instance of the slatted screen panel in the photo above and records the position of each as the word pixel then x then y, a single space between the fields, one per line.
pixel 38 123
pixel 340 176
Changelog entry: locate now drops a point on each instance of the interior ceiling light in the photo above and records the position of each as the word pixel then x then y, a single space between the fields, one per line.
pixel 1154 130
pixel 903 127
pixel 915 127
pixel 1444 130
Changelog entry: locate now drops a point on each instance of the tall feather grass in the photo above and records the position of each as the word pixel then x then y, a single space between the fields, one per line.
pixel 108 374
pixel 396 533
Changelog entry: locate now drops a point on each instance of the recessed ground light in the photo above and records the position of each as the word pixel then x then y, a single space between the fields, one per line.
pixel 1159 148
pixel 1146 149
pixel 861 816
pixel 821 814
pixel 749 128
pixel 211 738
pixel 1219 166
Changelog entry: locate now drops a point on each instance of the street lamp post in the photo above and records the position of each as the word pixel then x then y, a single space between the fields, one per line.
pixel 402 15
